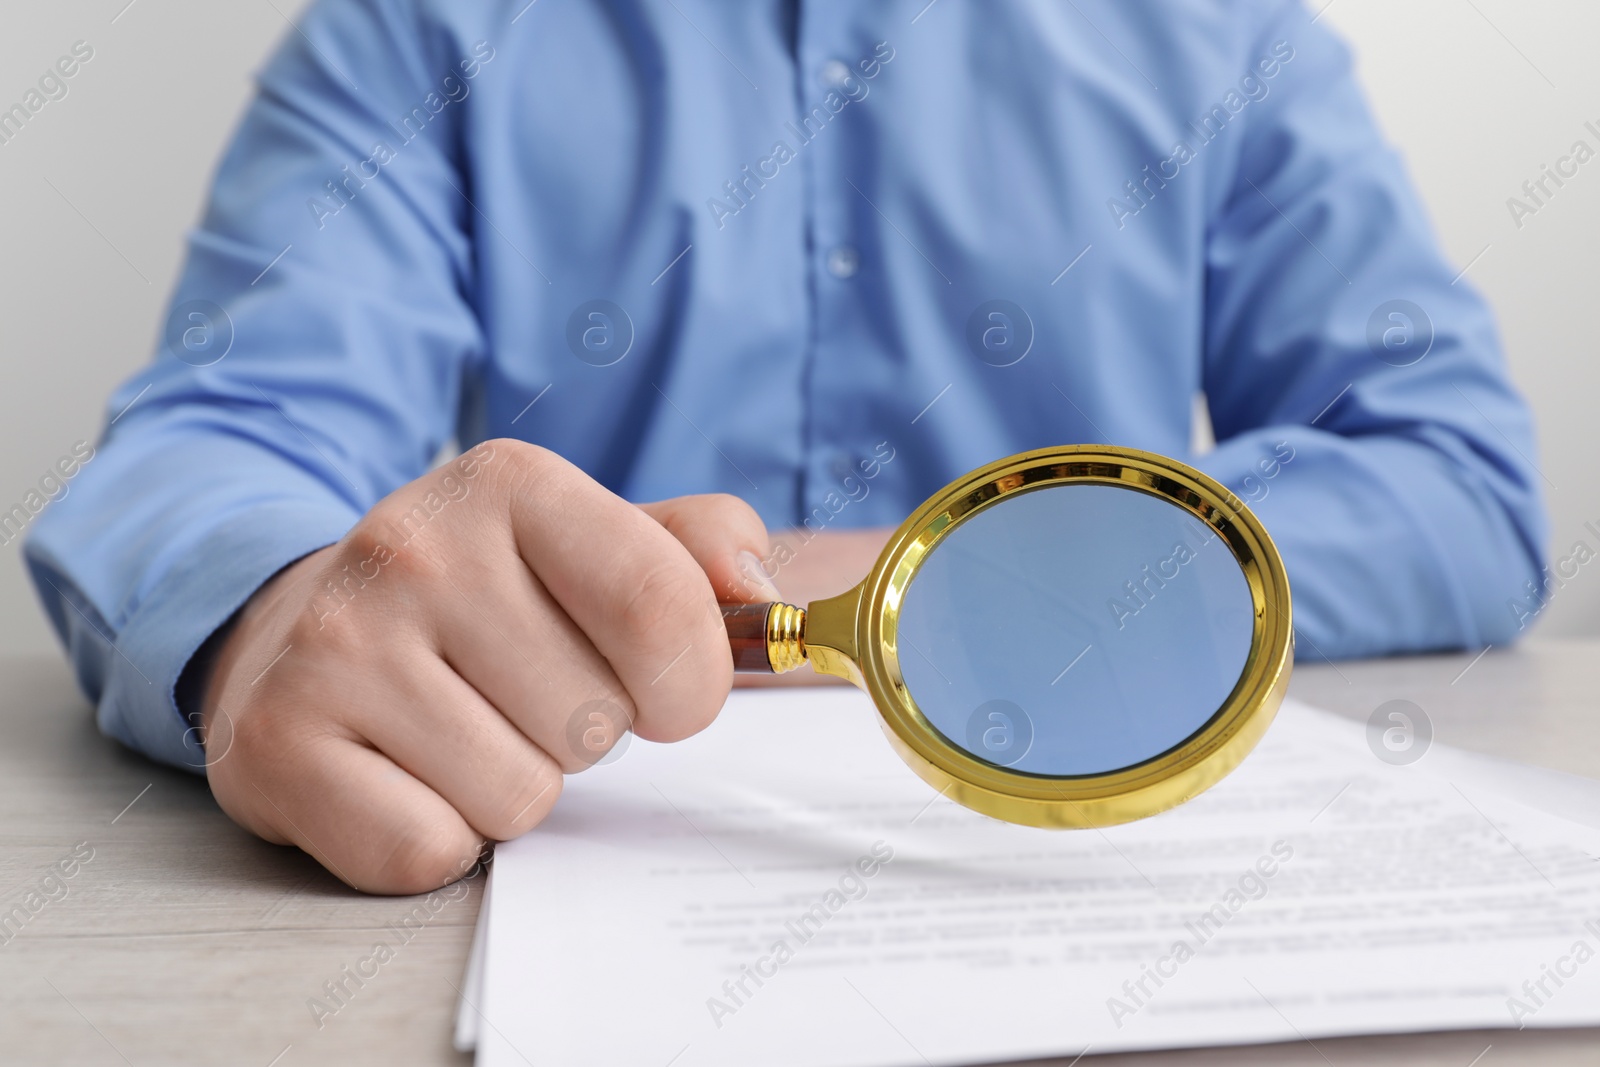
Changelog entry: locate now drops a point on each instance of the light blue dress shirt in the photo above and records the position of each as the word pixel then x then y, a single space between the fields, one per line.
pixel 752 247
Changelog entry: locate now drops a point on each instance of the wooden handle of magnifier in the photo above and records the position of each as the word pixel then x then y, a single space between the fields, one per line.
pixel 765 638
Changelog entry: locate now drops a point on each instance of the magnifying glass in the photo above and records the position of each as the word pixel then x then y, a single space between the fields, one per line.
pixel 1066 638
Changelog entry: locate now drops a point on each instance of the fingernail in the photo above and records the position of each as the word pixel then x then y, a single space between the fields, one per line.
pixel 757 584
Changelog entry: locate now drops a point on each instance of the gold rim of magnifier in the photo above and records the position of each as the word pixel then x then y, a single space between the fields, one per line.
pixel 854 637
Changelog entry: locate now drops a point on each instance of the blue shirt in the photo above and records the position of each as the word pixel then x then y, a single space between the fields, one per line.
pixel 763 248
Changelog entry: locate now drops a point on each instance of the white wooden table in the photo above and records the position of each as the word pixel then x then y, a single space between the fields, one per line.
pixel 186 941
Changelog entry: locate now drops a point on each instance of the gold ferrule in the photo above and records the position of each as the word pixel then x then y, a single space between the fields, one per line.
pixel 786 637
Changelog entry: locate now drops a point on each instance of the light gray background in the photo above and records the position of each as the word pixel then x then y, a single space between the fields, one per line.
pixel 100 187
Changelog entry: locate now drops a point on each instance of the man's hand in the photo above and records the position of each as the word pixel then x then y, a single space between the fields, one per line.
pixel 393 701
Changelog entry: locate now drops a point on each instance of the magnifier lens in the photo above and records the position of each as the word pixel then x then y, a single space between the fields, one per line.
pixel 1075 630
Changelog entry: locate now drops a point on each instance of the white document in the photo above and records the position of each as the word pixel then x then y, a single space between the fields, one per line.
pixel 781 890
pixel 1569 796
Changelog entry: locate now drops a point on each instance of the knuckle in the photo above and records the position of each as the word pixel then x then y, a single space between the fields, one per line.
pixel 527 805
pixel 529 481
pixel 692 707
pixel 596 731
pixel 415 564
pixel 387 541
pixel 721 511
pixel 661 601
pixel 735 511
pixel 332 628
pixel 686 684
pixel 527 462
pixel 423 858
pixel 369 539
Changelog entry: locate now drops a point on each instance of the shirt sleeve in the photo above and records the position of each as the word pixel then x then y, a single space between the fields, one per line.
pixel 312 363
pixel 1356 385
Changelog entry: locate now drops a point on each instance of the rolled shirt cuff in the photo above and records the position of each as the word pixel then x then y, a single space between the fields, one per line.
pixel 202 591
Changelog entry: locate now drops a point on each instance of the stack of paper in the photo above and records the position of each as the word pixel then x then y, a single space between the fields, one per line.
pixel 781 890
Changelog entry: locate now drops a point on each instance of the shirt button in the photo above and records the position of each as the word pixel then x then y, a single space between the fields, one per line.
pixel 843 262
pixel 843 468
pixel 835 73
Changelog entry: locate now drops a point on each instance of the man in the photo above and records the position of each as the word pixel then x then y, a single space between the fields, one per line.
pixel 819 257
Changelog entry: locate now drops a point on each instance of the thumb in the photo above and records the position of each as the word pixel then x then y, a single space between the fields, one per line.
pixel 726 537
